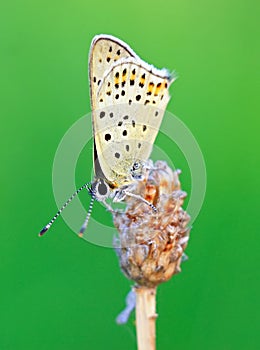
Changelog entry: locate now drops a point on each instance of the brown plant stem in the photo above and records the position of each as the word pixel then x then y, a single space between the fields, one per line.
pixel 145 317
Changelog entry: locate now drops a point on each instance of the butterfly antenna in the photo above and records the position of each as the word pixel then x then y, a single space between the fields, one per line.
pixel 174 76
pixel 85 224
pixel 46 228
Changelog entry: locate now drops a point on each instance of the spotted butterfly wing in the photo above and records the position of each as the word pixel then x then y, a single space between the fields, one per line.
pixel 128 99
pixel 132 100
pixel 104 52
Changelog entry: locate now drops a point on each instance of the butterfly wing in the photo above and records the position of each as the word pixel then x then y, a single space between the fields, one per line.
pixel 104 52
pixel 131 101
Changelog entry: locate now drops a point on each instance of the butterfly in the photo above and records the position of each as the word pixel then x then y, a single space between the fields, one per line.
pixel 128 100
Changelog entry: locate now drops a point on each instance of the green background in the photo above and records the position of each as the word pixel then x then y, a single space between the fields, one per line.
pixel 60 292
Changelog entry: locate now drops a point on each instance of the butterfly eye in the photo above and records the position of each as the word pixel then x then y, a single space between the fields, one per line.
pixel 101 190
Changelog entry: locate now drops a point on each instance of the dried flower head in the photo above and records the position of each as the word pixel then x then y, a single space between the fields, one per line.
pixel 151 244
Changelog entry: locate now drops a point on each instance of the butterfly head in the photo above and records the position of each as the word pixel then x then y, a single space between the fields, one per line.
pixel 137 170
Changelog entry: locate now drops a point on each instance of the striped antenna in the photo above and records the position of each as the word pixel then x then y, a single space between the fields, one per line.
pixel 46 228
pixel 85 224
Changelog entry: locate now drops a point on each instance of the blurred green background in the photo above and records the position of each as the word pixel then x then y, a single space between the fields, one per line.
pixel 60 292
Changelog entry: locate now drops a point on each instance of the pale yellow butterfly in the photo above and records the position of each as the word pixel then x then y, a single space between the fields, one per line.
pixel 128 101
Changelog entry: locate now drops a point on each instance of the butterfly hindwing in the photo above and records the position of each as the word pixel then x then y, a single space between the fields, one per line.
pixel 132 100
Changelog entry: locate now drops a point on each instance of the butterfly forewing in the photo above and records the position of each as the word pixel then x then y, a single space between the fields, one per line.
pixel 104 52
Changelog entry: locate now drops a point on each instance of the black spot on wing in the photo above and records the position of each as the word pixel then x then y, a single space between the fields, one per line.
pixel 107 137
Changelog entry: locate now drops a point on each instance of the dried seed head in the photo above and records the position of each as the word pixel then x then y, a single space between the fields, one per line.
pixel 151 244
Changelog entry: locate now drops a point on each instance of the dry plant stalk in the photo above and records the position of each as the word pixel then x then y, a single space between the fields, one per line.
pixel 145 317
pixel 151 244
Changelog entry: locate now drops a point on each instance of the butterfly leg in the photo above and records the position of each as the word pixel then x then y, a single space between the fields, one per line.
pixel 140 198
pixel 108 207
